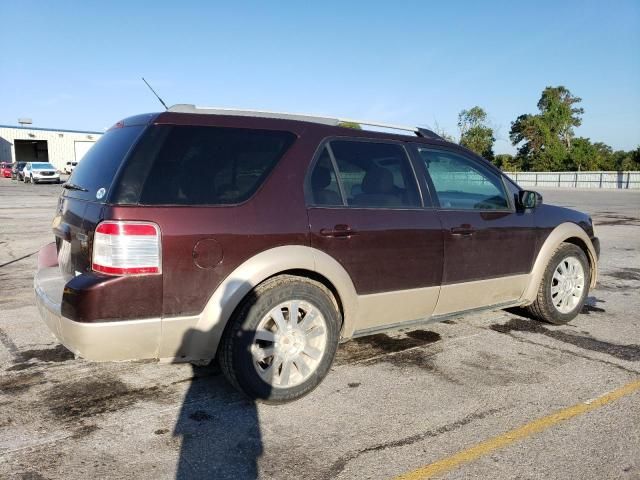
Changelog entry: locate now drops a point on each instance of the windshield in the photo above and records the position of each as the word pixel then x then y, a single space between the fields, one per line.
pixel 40 165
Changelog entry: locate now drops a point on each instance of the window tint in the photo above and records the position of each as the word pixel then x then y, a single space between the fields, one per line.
pixel 186 165
pixel 100 164
pixel 375 174
pixel 324 185
pixel 462 184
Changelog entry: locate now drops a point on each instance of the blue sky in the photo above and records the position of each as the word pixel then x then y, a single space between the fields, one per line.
pixel 77 65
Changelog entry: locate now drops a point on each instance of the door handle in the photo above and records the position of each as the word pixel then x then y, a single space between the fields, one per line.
pixel 340 230
pixel 463 231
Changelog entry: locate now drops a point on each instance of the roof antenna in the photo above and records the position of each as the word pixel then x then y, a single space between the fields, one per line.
pixel 157 96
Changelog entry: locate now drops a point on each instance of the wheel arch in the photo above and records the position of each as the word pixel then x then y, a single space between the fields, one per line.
pixel 197 338
pixel 564 233
pixel 317 277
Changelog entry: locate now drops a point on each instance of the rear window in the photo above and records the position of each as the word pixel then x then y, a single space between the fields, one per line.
pixel 100 164
pixel 188 165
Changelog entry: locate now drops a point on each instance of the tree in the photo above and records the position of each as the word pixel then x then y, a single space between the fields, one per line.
pixel 475 134
pixel 545 139
pixel 634 159
pixel 507 162
pixel 557 108
pixel 584 155
pixel 354 125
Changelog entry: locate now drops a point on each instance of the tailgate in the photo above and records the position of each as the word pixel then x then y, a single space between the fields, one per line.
pixel 74 226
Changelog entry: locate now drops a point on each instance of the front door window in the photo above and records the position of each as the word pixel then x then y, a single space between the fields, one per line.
pixel 462 184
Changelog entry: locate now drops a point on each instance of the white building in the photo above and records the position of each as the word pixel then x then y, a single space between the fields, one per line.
pixel 28 144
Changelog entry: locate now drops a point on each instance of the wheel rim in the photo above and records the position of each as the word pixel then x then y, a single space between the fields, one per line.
pixel 567 284
pixel 289 344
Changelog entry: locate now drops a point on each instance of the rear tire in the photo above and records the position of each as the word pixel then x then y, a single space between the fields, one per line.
pixel 564 286
pixel 268 354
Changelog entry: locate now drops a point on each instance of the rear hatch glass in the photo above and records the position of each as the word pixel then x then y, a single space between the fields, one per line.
pixel 80 208
pixel 100 164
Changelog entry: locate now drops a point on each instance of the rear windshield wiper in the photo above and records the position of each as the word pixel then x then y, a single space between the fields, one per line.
pixel 73 186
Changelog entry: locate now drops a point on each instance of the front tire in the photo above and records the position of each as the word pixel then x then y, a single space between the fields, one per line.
pixel 564 286
pixel 281 340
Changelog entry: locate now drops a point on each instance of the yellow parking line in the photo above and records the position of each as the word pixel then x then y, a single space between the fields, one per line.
pixel 537 426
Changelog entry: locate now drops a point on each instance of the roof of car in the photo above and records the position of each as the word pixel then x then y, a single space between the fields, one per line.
pixel 300 117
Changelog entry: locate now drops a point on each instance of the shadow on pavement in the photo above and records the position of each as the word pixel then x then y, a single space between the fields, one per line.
pixel 219 426
pixel 220 430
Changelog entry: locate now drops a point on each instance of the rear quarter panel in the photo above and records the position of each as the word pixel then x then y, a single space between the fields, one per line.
pixel 231 234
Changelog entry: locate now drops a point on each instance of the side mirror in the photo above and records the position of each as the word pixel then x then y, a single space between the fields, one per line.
pixel 529 199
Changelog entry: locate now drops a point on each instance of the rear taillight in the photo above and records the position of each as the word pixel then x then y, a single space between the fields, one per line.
pixel 126 248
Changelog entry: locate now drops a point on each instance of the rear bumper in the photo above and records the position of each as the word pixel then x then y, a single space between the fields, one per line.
pixel 98 341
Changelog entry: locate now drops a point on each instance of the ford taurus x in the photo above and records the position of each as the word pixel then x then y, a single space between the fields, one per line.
pixel 264 239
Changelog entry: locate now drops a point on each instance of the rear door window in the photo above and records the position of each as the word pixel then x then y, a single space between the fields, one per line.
pixel 324 183
pixel 189 165
pixel 375 174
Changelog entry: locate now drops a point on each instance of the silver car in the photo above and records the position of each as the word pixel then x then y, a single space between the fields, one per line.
pixel 40 172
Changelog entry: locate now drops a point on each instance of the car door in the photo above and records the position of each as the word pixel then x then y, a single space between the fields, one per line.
pixel 366 211
pixel 488 243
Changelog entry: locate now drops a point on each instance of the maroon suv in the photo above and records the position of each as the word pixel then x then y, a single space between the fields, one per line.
pixel 265 239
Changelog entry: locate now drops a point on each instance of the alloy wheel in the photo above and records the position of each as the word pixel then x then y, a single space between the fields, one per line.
pixel 289 343
pixel 567 284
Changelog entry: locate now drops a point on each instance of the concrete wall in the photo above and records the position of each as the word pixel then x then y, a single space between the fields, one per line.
pixel 60 143
pixel 614 180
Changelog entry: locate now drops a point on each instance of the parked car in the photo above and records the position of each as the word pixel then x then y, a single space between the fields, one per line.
pixel 264 239
pixel 69 166
pixel 5 169
pixel 40 172
pixel 16 171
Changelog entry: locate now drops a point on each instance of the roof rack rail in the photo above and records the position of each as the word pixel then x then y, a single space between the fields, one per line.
pixel 332 121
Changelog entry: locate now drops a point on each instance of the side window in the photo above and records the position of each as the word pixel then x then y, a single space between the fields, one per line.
pixel 189 165
pixel 462 184
pixel 375 174
pixel 324 185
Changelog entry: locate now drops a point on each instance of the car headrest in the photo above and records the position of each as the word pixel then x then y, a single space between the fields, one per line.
pixel 378 180
pixel 320 178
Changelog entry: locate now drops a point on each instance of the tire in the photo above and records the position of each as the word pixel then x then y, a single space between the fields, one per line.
pixel 546 307
pixel 291 371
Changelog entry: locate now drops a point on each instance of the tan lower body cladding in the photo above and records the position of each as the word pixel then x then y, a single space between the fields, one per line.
pixel 395 309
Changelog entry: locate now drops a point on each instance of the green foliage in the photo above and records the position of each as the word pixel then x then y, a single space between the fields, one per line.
pixel 507 162
pixel 354 125
pixel 475 134
pixel 545 139
pixel 557 108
